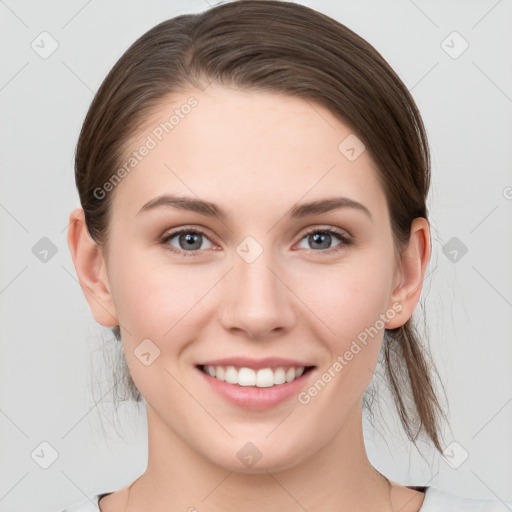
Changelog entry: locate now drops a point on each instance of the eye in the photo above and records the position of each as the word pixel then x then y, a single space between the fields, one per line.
pixel 189 241
pixel 320 239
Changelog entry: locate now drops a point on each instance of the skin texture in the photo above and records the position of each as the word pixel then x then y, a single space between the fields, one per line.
pixel 256 155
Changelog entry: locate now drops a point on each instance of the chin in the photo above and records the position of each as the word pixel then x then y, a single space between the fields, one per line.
pixel 249 459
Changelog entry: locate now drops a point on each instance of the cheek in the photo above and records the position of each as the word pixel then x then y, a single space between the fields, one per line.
pixel 350 303
pixel 156 299
pixel 159 303
pixel 349 298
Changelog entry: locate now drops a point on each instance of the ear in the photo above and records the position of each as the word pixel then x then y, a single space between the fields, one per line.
pixel 91 270
pixel 414 260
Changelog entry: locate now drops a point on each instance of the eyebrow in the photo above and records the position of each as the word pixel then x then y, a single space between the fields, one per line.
pixel 212 210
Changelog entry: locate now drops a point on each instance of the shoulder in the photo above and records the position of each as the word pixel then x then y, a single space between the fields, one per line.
pixel 90 504
pixel 439 500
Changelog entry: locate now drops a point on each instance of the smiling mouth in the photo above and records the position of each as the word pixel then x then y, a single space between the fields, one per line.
pixel 261 378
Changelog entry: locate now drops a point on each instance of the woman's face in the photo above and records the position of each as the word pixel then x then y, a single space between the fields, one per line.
pixel 263 284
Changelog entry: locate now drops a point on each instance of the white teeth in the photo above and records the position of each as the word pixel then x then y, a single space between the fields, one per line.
pixel 231 375
pixel 279 376
pixel 263 378
pixel 246 377
pixel 290 374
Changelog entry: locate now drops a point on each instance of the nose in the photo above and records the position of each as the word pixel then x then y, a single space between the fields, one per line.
pixel 256 300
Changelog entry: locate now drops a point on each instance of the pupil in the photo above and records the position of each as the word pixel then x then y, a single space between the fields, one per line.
pixel 191 239
pixel 322 238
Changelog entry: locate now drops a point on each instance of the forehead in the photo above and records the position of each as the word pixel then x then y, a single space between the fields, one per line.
pixel 245 148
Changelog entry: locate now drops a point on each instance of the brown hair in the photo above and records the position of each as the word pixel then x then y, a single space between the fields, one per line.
pixel 283 47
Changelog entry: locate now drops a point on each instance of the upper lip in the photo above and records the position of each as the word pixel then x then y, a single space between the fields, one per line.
pixel 257 364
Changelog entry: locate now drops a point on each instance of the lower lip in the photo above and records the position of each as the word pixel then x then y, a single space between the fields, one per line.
pixel 254 398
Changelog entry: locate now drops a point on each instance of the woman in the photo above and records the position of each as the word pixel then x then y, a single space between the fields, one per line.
pixel 253 183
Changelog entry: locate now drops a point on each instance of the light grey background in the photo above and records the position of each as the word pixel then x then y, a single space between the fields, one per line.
pixel 49 339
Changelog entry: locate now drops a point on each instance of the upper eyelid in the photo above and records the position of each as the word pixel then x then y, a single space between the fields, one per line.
pixel 340 232
pixel 185 229
pixel 329 229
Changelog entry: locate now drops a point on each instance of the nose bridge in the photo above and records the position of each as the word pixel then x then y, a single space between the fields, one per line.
pixel 256 301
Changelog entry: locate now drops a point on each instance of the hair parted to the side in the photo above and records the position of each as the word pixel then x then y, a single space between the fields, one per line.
pixel 288 48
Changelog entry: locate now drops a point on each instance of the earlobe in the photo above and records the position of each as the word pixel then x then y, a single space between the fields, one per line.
pixel 414 260
pixel 90 267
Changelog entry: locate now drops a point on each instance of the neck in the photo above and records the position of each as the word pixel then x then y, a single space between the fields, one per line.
pixel 337 477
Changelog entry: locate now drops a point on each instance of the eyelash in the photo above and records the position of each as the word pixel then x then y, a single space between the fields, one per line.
pixel 344 240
